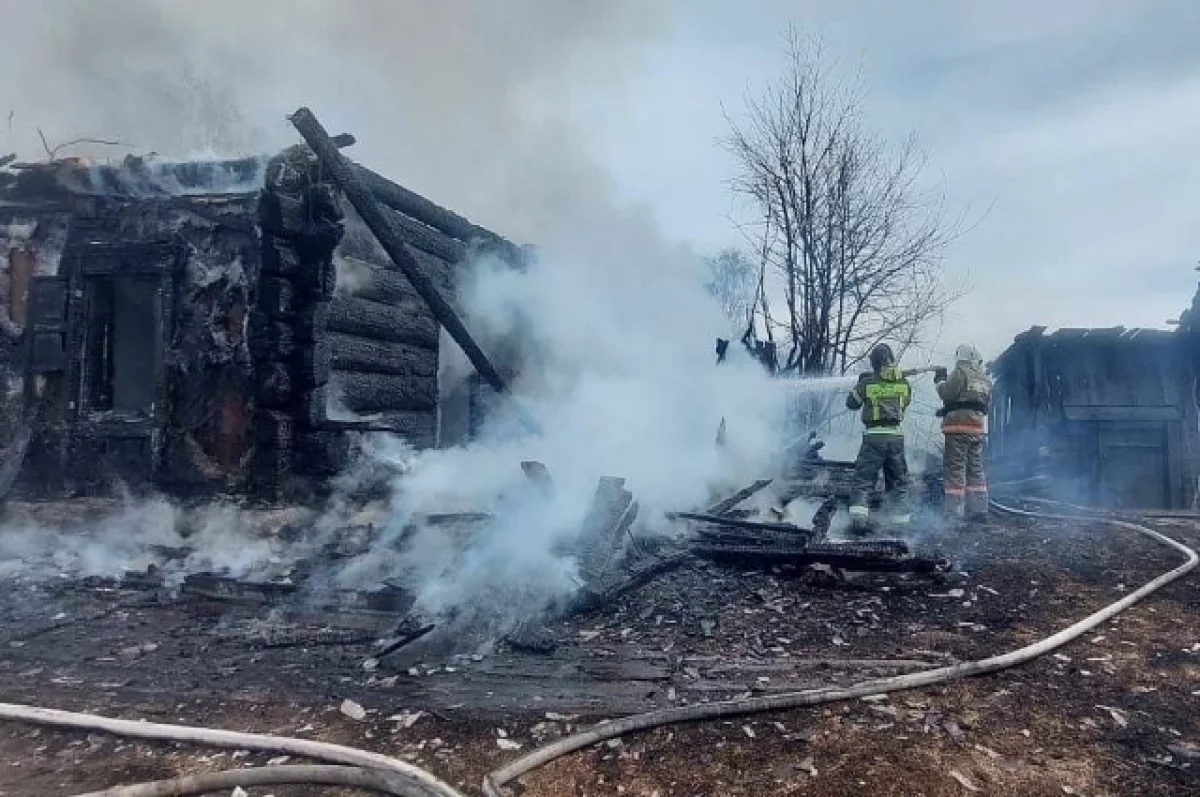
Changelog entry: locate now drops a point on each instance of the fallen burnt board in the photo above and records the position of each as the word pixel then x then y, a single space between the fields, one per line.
pixel 880 556
pixel 741 540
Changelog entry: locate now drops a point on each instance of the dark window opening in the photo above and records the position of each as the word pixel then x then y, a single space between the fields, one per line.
pixel 121 362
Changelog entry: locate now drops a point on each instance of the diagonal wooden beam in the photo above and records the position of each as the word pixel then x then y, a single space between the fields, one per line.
pixel 380 224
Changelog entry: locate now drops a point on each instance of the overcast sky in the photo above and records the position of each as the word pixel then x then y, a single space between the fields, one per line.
pixel 1067 129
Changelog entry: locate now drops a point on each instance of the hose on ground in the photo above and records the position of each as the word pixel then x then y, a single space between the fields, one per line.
pixel 208 737
pixel 375 780
pixel 494 782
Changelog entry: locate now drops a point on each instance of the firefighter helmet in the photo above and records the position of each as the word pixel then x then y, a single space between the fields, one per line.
pixel 881 356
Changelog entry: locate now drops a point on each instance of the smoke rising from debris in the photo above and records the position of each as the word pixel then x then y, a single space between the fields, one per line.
pixel 459 101
pixel 107 539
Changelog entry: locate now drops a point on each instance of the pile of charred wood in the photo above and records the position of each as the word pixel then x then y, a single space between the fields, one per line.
pixel 612 559
pixel 724 533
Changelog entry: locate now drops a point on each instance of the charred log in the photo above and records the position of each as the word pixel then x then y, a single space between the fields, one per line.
pixel 271 339
pixel 417 236
pixel 375 402
pixel 386 232
pixel 365 393
pixel 274 434
pixel 366 280
pixel 739 523
pixel 276 388
pixel 637 572
pixel 741 495
pixel 823 518
pixel 876 556
pixel 316 280
pixel 532 637
pixel 418 428
pixel 277 298
pixel 314 364
pixel 612 512
pixel 353 353
pixel 410 324
pixel 323 453
pixel 426 212
pixel 404 637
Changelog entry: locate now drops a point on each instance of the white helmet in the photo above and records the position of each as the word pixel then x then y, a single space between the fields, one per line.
pixel 966 353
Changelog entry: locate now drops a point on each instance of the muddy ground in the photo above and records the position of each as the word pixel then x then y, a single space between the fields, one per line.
pixel 1112 714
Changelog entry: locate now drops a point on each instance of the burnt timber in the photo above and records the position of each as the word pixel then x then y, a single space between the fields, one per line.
pixel 220 327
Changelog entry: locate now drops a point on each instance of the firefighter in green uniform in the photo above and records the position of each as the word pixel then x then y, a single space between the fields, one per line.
pixel 883 395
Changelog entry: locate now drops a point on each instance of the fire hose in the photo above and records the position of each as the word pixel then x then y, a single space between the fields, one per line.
pixel 494 782
pixel 420 783
pixel 411 781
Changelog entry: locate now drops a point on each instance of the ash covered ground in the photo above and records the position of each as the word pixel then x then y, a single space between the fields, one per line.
pixel 1112 714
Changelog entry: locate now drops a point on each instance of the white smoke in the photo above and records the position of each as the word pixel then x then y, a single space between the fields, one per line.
pixel 620 380
pixel 110 539
pixel 454 100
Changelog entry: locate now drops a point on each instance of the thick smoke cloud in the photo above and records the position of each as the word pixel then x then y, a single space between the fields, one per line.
pixel 456 100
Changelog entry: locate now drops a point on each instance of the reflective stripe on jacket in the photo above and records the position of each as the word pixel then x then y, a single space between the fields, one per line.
pixel 883 398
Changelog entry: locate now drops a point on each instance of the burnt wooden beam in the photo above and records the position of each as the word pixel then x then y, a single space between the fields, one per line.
pixel 281 260
pixel 353 353
pixel 271 339
pixel 610 515
pixel 322 452
pixel 276 388
pixel 313 364
pixel 735 499
pixel 363 393
pixel 418 207
pixel 738 523
pixel 423 238
pixel 410 323
pixel 385 230
pixel 418 427
pixel 366 280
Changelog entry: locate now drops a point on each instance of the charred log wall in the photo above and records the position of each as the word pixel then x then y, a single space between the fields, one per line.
pixel 301 225
pixel 380 326
pixel 381 337
pixel 135 352
pixel 265 316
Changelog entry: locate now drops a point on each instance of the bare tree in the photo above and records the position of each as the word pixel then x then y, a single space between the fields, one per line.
pixel 733 282
pixel 839 217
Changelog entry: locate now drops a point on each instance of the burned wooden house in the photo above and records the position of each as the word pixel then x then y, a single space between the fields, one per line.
pixel 202 327
pixel 1107 417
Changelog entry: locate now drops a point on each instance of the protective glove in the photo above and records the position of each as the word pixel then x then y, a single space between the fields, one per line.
pixel 941 375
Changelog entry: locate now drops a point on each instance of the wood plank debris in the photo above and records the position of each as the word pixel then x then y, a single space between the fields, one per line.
pixel 721 507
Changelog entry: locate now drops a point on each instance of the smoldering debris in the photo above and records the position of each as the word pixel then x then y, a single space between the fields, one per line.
pixel 608 558
pixel 452 582
pixel 111 538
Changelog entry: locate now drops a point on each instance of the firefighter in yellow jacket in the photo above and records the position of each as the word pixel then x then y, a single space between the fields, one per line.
pixel 965 392
pixel 883 395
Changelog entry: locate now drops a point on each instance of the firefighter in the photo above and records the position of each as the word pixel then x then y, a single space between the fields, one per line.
pixel 965 393
pixel 883 395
